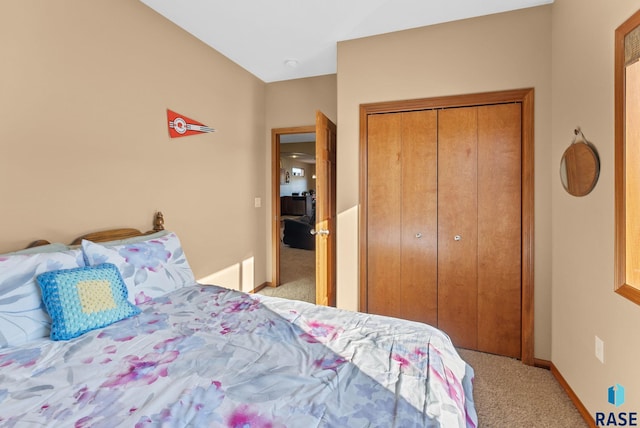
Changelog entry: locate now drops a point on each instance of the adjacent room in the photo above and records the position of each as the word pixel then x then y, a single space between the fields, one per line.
pixel 296 259
pixel 336 176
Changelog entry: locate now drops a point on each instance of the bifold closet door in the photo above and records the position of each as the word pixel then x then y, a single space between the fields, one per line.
pixel 444 222
pixel 458 225
pixel 499 229
pixel 402 215
pixel 479 227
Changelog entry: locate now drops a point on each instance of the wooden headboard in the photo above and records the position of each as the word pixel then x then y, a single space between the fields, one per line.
pixel 111 234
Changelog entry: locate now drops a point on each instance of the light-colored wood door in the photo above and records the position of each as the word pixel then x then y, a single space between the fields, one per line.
pixel 458 225
pixel 384 199
pixel 402 222
pixel 419 270
pixel 503 132
pixel 479 212
pixel 326 139
pixel 499 229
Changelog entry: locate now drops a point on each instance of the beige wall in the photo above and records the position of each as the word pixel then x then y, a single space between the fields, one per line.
pixel 84 88
pixel 584 304
pixel 295 102
pixel 498 52
pixel 297 184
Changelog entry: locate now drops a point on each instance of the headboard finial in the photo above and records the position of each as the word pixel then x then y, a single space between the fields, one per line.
pixel 158 222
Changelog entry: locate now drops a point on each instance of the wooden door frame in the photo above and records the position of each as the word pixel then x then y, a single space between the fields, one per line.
pixel 526 98
pixel 275 195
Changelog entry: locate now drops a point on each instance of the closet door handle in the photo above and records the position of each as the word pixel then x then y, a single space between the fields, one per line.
pixel 419 235
pixel 457 238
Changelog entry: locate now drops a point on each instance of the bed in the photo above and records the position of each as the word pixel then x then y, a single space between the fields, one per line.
pixel 115 331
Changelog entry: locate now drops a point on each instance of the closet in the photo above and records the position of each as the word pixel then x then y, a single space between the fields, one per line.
pixel 443 221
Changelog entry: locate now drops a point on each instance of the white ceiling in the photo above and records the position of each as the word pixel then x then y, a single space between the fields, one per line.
pixel 307 137
pixel 263 35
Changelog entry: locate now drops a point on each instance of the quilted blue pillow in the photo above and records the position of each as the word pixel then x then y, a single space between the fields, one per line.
pixel 83 299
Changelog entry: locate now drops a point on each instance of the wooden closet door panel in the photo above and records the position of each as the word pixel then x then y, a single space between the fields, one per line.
pixel 384 214
pixel 418 284
pixel 457 225
pixel 499 229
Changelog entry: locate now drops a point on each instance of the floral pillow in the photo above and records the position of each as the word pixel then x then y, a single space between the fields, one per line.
pixel 149 268
pixel 23 317
pixel 84 299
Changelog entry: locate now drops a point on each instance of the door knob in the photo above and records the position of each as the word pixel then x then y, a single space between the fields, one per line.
pixel 319 232
pixel 418 235
pixel 457 238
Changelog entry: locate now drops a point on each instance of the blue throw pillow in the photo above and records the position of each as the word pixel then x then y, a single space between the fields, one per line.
pixel 83 299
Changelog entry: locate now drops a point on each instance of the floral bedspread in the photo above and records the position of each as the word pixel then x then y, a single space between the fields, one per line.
pixel 206 356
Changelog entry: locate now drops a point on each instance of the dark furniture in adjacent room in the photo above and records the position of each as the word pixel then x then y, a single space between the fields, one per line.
pixel 296 205
pixel 297 233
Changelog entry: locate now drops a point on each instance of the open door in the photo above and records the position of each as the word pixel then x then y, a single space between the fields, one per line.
pixel 325 230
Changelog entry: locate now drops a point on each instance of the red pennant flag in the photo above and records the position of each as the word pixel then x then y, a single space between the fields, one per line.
pixel 182 126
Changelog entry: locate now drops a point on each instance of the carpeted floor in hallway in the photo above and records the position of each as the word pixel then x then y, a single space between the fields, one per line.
pixel 297 275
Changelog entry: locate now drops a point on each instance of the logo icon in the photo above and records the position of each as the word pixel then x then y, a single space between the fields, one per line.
pixel 616 395
pixel 182 126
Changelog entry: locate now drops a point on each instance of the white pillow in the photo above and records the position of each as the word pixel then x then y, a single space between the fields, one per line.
pixel 139 238
pixel 47 248
pixel 22 314
pixel 150 268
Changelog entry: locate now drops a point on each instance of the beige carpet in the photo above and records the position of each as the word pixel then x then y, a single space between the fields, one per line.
pixel 297 275
pixel 510 394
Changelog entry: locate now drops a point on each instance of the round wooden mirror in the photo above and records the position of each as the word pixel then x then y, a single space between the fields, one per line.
pixel 579 168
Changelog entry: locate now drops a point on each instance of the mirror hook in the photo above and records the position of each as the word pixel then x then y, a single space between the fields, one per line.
pixel 577 132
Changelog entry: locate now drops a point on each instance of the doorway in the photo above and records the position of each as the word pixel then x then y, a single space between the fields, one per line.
pixel 324 230
pixel 293 202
